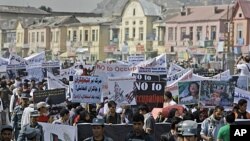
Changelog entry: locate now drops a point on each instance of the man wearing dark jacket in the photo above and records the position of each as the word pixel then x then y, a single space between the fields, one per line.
pixel 172 134
pixel 138 133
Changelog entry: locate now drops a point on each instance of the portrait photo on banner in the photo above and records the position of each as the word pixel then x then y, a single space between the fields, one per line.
pixel 215 93
pixel 189 92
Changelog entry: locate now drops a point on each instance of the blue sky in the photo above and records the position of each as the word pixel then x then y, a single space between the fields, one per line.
pixel 56 5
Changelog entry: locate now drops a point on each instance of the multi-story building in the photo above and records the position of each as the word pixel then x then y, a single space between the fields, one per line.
pixel 89 38
pixel 48 34
pixel 241 26
pixel 7 36
pixel 196 31
pixel 136 28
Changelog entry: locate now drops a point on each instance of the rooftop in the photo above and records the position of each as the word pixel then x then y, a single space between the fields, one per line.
pixel 22 10
pixel 202 13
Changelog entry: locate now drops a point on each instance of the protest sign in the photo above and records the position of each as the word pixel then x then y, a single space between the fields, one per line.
pixel 16 70
pixel 172 78
pixel 173 88
pixel 189 92
pixel 54 83
pixel 51 132
pixel 87 89
pixel 158 70
pixel 36 58
pixel 150 93
pixel 215 93
pixel 14 59
pixel 146 77
pixel 222 76
pixel 174 68
pixel 53 67
pixel 3 64
pixel 121 90
pixel 242 94
pixel 35 73
pixel 136 59
pixel 56 96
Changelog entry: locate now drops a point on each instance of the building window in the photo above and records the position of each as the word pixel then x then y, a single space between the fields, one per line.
pixel 239 31
pixel 175 33
pixel 97 33
pixel 93 35
pixel 42 37
pixel 69 35
pixel 126 33
pixel 74 35
pixel 141 22
pixel 199 33
pixel 141 33
pixel 57 37
pixel 172 49
pixel 183 32
pixel 18 37
pixel 170 34
pixel 134 22
pixel 134 12
pixel 80 35
pixel 33 37
pixel 240 15
pixel 213 32
pixel 191 32
pixel 126 23
pixel 86 35
pixel 37 37
pixel 133 32
pixel 154 34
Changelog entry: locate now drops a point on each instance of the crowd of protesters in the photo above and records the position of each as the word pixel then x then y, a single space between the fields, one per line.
pixel 20 116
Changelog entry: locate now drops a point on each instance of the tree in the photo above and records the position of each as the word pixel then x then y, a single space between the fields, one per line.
pixel 44 8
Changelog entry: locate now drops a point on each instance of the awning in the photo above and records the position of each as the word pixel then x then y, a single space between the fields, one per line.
pixel 68 54
pixel 82 50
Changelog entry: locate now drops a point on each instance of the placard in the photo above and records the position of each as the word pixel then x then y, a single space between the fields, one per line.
pixel 215 93
pixel 87 89
pixel 56 96
pixel 189 92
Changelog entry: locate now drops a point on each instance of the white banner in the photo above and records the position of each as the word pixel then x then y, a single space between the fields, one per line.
pixel 121 90
pixel 54 83
pixel 35 73
pixel 51 132
pixel 136 59
pixel 174 86
pixel 36 58
pixel 52 64
pixel 87 89
pixel 242 94
pixel 172 78
pixel 15 59
pixel 65 73
pixel 174 68
pixel 3 64
pixel 222 76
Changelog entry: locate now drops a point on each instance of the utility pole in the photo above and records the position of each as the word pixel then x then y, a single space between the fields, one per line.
pixel 228 53
pixel 230 49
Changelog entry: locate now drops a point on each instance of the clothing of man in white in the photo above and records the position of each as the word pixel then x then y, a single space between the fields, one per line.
pixel 245 69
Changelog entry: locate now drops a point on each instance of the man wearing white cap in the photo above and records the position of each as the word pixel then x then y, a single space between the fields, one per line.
pixel 42 107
